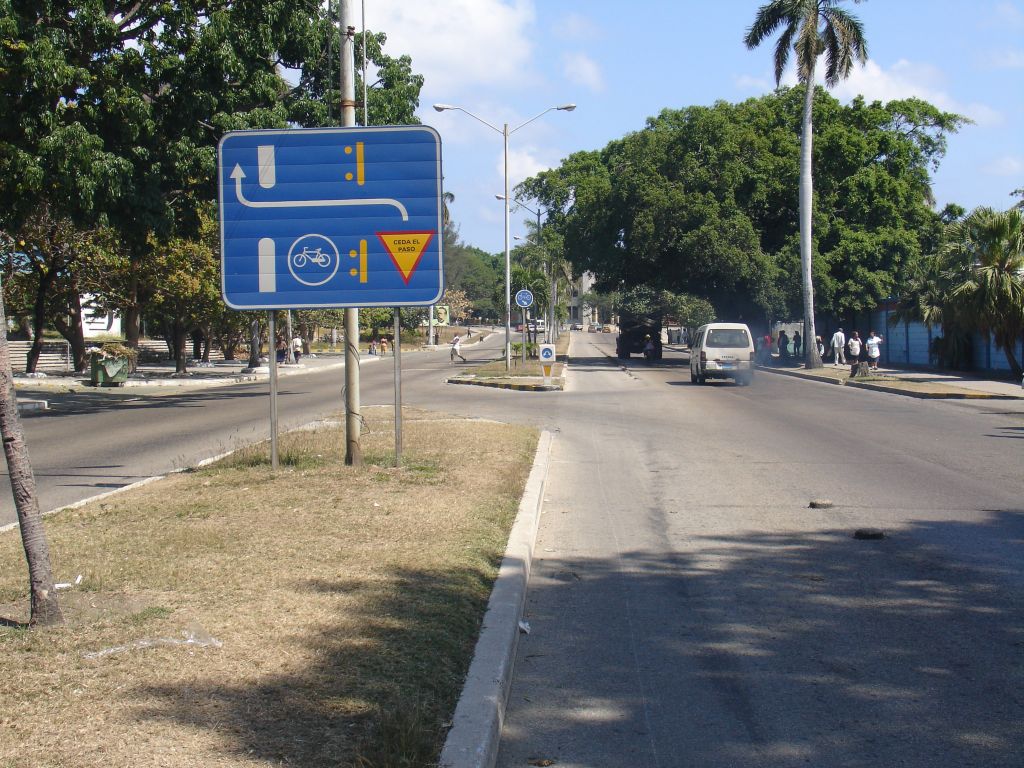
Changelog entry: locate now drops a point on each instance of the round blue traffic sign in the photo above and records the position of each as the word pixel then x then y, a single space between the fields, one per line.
pixel 524 298
pixel 547 353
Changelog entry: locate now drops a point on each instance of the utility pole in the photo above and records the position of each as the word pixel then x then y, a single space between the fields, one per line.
pixel 353 417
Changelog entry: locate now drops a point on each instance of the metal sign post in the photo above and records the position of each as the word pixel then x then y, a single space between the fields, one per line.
pixel 398 387
pixel 272 358
pixel 524 299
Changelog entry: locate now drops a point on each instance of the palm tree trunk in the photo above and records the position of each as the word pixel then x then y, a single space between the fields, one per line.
pixel 811 357
pixel 45 610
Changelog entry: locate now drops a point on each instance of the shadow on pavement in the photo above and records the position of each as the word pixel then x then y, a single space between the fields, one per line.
pixel 776 649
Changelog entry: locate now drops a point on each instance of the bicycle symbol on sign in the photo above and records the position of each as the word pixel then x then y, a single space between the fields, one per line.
pixel 313 259
pixel 314 255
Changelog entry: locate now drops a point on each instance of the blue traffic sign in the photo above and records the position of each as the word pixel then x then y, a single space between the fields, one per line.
pixel 547 353
pixel 331 217
pixel 524 298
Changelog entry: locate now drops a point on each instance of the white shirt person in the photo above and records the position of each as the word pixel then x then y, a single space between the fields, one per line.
pixel 873 343
pixel 838 346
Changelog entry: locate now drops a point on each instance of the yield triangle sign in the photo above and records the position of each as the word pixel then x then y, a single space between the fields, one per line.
pixel 405 249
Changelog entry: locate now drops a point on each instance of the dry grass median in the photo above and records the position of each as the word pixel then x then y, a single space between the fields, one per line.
pixel 230 616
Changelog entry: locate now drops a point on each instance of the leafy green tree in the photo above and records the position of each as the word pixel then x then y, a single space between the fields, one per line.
pixel 110 113
pixel 188 293
pixel 810 28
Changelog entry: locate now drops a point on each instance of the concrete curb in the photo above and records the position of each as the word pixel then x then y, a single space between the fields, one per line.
pixel 476 727
pixel 929 395
pixel 509 385
pixel 877 387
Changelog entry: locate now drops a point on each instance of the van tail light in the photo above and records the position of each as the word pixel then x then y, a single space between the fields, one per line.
pixel 703 356
pixel 751 357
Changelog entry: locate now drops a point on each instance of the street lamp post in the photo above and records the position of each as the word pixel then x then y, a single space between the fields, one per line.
pixel 505 133
pixel 550 332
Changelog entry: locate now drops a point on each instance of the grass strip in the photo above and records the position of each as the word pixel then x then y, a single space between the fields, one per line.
pixel 321 615
pixel 531 368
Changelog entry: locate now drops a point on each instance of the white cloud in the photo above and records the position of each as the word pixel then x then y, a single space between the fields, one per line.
pixel 458 44
pixel 750 83
pixel 1007 165
pixel 582 70
pixel 577 27
pixel 1007 14
pixel 1012 58
pixel 523 162
pixel 905 79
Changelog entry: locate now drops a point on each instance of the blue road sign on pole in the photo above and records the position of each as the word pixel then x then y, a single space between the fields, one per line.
pixel 524 298
pixel 331 217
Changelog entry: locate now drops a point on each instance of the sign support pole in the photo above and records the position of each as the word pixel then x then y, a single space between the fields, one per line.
pixel 398 386
pixel 353 417
pixel 524 335
pixel 272 357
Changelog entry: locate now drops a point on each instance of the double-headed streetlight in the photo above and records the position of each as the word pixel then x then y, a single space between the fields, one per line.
pixel 505 131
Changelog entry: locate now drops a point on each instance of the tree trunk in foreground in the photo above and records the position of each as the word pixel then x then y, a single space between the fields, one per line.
pixel 45 609
pixel 811 357
pixel 255 342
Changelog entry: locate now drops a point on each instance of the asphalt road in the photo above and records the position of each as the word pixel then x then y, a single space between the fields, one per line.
pixel 687 607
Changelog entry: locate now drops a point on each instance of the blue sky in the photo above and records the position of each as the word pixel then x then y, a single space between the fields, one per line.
pixel 507 60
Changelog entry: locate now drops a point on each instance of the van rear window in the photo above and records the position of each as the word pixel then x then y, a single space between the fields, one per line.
pixel 727 338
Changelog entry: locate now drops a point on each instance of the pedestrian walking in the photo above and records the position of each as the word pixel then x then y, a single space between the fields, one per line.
pixel 373 346
pixel 821 346
pixel 281 349
pixel 297 348
pixel 457 349
pixel 838 345
pixel 797 343
pixel 384 347
pixel 783 346
pixel 873 343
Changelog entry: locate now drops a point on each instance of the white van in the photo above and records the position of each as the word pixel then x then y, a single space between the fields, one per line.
pixel 722 351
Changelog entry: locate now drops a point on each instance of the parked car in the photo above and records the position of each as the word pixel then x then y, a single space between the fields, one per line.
pixel 722 351
pixel 576 327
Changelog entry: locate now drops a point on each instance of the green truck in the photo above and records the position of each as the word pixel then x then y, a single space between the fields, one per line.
pixel 634 331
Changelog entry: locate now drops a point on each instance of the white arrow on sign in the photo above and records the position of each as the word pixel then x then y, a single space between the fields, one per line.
pixel 238 174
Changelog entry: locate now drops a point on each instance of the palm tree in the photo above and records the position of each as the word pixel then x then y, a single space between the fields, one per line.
pixel 988 247
pixel 810 28
pixel 45 610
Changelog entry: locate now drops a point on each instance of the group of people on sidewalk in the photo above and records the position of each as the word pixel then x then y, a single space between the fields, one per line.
pixel 282 346
pixel 789 347
pixel 856 350
pixel 842 349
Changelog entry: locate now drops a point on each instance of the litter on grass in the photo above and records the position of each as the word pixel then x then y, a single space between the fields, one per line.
pixel 68 584
pixel 192 636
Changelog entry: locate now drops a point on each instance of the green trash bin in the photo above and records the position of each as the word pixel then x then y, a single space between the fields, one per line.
pixel 109 371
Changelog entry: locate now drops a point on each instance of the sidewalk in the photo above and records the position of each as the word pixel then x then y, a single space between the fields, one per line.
pixel 939 385
pixel 161 374
pixel 160 378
